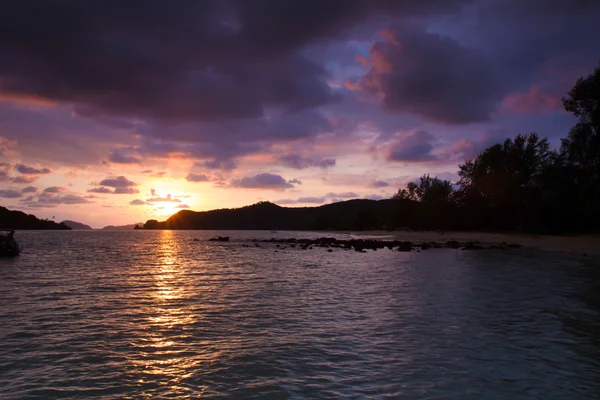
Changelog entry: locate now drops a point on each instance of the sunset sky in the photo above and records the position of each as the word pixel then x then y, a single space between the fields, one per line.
pixel 115 112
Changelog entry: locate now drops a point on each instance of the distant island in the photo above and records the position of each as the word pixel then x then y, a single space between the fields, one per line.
pixel 19 220
pixel 128 227
pixel 76 225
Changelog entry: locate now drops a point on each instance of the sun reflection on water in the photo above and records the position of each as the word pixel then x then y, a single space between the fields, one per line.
pixel 165 351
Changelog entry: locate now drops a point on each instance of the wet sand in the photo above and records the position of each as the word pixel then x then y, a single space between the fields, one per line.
pixel 576 244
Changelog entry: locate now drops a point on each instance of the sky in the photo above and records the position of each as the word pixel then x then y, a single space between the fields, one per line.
pixel 118 112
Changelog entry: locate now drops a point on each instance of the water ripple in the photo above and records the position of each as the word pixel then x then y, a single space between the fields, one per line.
pixel 157 314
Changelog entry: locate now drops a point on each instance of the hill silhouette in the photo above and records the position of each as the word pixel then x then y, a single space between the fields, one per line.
pixel 76 225
pixel 347 215
pixel 127 227
pixel 19 220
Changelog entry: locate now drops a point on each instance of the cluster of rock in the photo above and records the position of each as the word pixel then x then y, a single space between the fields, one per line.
pixel 361 245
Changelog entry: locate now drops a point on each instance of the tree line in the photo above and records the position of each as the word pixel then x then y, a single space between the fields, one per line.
pixel 521 184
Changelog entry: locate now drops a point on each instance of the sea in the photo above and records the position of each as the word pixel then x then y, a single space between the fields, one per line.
pixel 169 314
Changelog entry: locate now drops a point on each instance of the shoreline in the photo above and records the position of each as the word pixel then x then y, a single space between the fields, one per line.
pixel 588 244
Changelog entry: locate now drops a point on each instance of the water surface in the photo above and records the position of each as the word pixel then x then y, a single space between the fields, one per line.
pixel 156 314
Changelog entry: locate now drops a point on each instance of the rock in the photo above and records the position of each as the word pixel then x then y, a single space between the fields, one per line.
pixel 405 246
pixel 472 246
pixel 219 239
pixel 453 244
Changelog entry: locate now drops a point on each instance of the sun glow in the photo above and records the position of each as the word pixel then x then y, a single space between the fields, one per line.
pixel 167 209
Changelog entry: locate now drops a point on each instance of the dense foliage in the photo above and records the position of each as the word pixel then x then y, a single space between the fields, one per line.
pixel 522 184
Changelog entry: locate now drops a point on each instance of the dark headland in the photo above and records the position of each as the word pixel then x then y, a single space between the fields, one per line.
pixel 76 225
pixel 20 220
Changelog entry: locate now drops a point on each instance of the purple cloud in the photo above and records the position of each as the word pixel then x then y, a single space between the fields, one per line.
pixel 10 193
pixel 226 165
pixel 182 206
pixel 298 162
pixel 197 178
pixel 54 189
pixel 125 190
pixel 27 170
pixel 103 190
pixel 120 156
pixel 70 199
pixel 29 189
pixel 137 202
pixel 119 185
pixel 24 179
pixel 262 181
pixel 416 146
pixel 378 184
pixel 118 182
pixel 432 76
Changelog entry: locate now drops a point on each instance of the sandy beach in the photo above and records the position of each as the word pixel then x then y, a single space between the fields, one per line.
pixel 576 244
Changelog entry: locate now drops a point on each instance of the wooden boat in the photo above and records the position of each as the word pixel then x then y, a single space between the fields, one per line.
pixel 8 245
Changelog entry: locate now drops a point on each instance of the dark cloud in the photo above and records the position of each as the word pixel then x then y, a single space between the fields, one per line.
pixel 26 169
pixel 10 193
pixel 196 60
pixel 262 181
pixel 29 189
pixel 295 181
pixel 197 178
pixel 121 156
pixel 298 162
pixel 432 76
pixel 137 202
pixel 117 182
pixel 416 146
